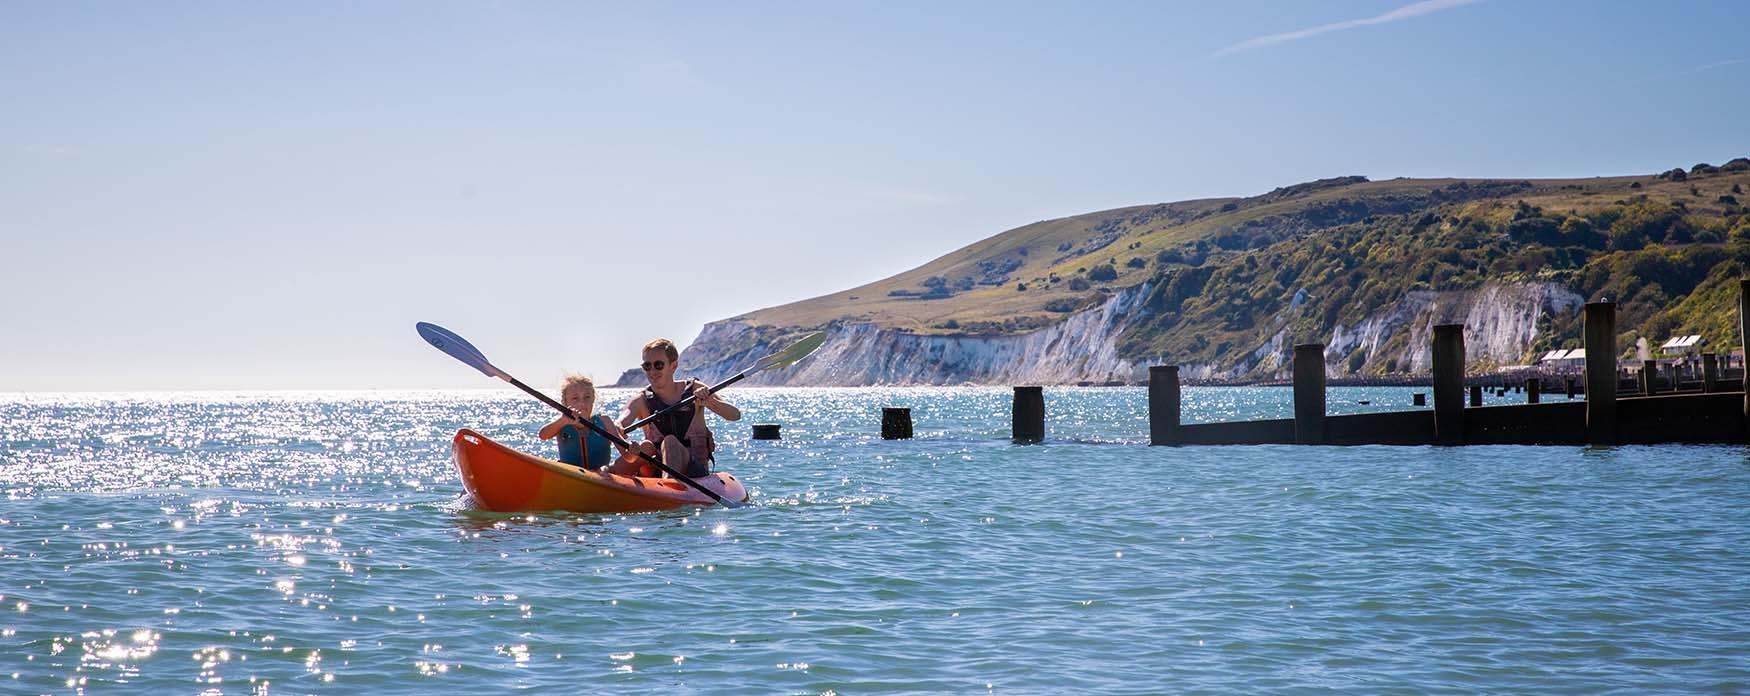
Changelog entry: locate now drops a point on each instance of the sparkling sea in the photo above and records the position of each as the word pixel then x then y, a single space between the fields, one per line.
pixel 320 542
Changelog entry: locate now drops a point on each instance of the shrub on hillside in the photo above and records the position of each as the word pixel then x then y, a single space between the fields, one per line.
pixel 1135 262
pixel 1079 284
pixel 1704 168
pixel 1063 305
pixel 1103 273
pixel 1539 229
pixel 1644 223
pixel 1738 164
pixel 1578 231
pixel 1675 174
pixel 1741 231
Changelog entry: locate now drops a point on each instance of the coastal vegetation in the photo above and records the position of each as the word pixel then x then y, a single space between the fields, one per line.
pixel 1220 277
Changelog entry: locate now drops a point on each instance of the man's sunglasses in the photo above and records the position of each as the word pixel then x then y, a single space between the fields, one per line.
pixel 651 366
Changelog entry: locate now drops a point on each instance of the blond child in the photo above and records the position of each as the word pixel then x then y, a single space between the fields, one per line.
pixel 578 445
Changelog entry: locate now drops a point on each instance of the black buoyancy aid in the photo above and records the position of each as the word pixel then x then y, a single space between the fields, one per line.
pixel 679 421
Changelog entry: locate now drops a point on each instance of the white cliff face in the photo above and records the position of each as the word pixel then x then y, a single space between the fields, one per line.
pixel 1081 348
pixel 1501 323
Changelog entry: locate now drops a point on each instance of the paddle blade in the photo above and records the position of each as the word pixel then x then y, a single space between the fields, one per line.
pixel 788 356
pixel 457 347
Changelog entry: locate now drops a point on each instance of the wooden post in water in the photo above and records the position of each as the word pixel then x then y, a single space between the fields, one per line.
pixel 1419 399
pixel 1600 323
pixel 1163 405
pixel 766 432
pixel 1476 395
pixel 1533 389
pixel 896 424
pixel 1710 373
pixel 1449 384
pixel 1309 394
pixel 1029 415
pixel 1570 388
pixel 1649 377
pixel 1744 338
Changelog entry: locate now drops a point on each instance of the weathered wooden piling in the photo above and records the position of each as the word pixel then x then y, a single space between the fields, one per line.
pixel 896 424
pixel 1744 338
pixel 1570 388
pixel 1419 399
pixel 1449 384
pixel 765 432
pixel 1649 377
pixel 1309 394
pixel 1710 373
pixel 1476 395
pixel 1600 329
pixel 1029 415
pixel 1533 390
pixel 1163 405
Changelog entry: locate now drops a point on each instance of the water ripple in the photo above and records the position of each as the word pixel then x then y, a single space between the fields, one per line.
pixel 319 542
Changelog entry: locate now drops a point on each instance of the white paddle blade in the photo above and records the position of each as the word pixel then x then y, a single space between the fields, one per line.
pixel 788 356
pixel 456 347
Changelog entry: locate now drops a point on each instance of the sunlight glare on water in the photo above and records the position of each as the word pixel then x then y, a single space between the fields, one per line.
pixel 321 542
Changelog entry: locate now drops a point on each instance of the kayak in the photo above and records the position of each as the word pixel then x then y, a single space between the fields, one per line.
pixel 502 479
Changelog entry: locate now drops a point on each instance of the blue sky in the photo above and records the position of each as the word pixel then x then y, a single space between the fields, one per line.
pixel 256 195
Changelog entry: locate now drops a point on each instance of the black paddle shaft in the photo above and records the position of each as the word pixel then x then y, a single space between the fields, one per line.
pixel 590 423
pixel 689 399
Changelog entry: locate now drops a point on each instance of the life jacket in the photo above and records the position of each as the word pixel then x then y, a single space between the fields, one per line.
pixel 590 451
pixel 700 444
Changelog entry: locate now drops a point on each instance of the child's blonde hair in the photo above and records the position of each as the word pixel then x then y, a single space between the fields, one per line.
pixel 575 381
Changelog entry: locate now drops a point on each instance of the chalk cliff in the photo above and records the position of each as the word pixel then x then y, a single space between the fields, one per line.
pixel 1502 323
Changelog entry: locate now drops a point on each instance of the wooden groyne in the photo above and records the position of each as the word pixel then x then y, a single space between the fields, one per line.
pixel 1655 406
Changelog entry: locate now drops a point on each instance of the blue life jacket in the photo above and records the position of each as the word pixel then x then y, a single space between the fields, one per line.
pixel 572 447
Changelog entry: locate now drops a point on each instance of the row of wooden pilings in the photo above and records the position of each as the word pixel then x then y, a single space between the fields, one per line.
pixel 1027 424
pixel 1450 420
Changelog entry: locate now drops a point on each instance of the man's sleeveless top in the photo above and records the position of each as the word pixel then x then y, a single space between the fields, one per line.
pixel 680 423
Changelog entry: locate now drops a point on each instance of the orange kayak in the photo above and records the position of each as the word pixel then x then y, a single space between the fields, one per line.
pixel 502 479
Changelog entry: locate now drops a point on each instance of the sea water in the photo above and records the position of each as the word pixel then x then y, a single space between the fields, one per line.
pixel 322 543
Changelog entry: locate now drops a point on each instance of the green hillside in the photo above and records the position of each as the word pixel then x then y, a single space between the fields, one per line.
pixel 1666 247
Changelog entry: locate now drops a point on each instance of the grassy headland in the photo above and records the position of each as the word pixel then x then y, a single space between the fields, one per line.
pixel 1226 273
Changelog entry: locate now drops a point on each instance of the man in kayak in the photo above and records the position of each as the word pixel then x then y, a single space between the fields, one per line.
pixel 679 437
pixel 580 446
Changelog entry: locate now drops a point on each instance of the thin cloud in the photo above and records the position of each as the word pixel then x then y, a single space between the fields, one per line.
pixel 1699 68
pixel 1410 11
